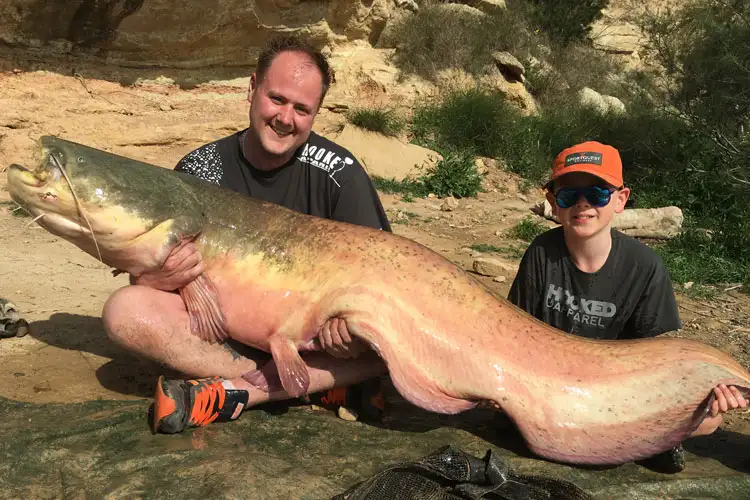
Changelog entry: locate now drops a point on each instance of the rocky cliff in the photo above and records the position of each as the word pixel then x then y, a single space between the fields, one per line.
pixel 178 34
pixel 226 33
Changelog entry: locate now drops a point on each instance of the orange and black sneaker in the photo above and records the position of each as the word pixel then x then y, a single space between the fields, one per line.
pixel 194 403
pixel 365 398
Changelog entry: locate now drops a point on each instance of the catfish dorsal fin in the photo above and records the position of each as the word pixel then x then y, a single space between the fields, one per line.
pixel 202 303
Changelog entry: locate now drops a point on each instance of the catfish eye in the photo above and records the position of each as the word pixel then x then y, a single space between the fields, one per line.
pixel 80 159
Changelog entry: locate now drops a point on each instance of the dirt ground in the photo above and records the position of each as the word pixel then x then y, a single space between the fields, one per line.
pixel 61 291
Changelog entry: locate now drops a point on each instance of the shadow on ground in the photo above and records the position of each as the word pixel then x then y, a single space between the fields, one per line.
pixel 124 373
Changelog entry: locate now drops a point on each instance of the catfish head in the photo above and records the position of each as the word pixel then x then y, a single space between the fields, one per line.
pixel 124 212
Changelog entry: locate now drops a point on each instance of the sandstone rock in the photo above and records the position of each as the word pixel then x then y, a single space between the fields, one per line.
pixel 487 6
pixel 614 104
pixel 408 5
pixel 617 39
pixel 347 414
pixel 602 104
pixel 386 157
pixel 514 92
pixel 167 33
pixel 449 204
pixel 462 10
pixel 509 66
pixel 489 266
pixel 662 223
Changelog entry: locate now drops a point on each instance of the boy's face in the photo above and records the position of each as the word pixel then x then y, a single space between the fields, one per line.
pixel 583 219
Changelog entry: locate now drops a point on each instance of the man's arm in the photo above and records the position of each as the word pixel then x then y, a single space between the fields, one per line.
pixel 358 201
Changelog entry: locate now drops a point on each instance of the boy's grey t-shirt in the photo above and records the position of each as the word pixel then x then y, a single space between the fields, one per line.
pixel 631 296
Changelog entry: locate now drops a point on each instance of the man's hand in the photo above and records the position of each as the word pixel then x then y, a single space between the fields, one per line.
pixel 183 264
pixel 727 398
pixel 335 339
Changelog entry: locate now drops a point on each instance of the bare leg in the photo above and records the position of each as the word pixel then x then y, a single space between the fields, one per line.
pixel 326 372
pixel 155 324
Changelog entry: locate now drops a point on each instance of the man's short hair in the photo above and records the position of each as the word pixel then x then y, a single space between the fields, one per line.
pixel 287 43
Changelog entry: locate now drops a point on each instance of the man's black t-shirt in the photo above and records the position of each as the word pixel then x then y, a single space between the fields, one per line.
pixel 631 296
pixel 321 179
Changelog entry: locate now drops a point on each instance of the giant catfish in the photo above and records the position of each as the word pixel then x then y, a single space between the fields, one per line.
pixel 274 276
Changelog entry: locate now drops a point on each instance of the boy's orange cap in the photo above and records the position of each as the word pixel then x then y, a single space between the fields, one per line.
pixel 592 158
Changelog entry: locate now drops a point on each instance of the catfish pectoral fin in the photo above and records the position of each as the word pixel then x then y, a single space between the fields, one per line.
pixel 292 369
pixel 202 303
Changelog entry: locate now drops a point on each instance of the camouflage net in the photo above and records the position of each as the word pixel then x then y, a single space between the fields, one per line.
pixel 106 449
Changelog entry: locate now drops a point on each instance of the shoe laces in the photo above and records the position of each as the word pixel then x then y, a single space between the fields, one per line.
pixel 208 397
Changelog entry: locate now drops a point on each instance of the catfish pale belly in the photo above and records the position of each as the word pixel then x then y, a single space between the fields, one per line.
pixel 274 276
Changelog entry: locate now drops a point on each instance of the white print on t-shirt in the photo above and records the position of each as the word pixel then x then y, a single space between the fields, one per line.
pixel 589 312
pixel 324 160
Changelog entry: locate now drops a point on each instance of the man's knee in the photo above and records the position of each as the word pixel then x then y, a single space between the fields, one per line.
pixel 118 314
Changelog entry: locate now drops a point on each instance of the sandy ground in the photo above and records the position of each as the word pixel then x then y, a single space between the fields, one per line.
pixel 60 290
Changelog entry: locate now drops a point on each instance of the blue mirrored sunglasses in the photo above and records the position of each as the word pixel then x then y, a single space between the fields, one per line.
pixel 597 196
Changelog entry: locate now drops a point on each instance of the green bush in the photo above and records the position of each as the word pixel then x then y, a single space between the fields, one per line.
pixel 384 121
pixel 527 229
pixel 471 119
pixel 694 256
pixel 454 175
pixel 566 21
pixel 444 36
pixel 704 48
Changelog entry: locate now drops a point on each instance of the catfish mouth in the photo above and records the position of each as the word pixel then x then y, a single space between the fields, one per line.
pixel 45 194
pixel 24 175
pixel 26 185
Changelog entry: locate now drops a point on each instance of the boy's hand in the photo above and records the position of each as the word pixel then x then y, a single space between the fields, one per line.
pixel 727 398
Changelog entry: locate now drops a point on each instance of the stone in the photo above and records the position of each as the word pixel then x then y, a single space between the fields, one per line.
pixel 601 103
pixel 488 6
pixel 449 204
pixel 347 414
pixel 410 5
pixel 402 160
pixel 509 66
pixel 490 266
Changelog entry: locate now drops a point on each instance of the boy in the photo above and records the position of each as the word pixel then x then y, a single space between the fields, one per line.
pixel 590 280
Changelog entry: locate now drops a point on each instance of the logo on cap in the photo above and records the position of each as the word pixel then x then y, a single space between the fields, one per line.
pixel 577 158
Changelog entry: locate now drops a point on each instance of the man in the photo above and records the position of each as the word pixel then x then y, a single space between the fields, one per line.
pixel 590 280
pixel 279 159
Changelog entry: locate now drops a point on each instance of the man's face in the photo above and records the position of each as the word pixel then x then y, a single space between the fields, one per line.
pixel 284 104
pixel 583 218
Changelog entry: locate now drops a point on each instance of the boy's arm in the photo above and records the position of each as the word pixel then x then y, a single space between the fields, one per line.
pixel 656 311
pixel 525 291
